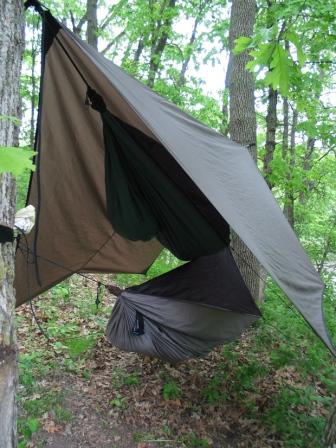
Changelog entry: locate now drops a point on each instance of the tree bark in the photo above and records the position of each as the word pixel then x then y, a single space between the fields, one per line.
pixel 242 123
pixel 11 45
pixel 271 125
pixel 92 23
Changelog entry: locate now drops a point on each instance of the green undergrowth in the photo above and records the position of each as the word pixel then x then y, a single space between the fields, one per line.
pixel 71 323
pixel 280 375
pixel 164 263
pixel 286 377
pixel 38 404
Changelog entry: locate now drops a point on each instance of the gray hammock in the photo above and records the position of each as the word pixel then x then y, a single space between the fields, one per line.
pixel 184 313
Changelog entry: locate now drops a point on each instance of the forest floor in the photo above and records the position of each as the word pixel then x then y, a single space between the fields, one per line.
pixel 270 389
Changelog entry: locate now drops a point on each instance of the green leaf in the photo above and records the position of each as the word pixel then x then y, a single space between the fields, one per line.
pixel 241 44
pixel 15 160
pixel 278 76
pixel 294 38
pixel 261 56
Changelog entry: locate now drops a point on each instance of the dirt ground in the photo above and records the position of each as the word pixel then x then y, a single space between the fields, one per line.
pixel 106 413
pixel 124 400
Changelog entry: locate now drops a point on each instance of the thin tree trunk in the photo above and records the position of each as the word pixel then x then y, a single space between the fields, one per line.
pixel 92 23
pixel 285 134
pixel 289 196
pixel 113 42
pixel 181 81
pixel 33 99
pixel 271 126
pixel 158 45
pixel 271 117
pixel 243 124
pixel 11 45
pixel 138 51
pixel 307 164
pixel 77 29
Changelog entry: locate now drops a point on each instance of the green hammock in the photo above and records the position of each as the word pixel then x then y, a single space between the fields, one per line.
pixel 143 202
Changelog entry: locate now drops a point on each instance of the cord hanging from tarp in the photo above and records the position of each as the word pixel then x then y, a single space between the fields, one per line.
pixel 99 293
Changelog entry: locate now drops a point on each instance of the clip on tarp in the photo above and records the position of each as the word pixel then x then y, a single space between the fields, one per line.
pixel 6 234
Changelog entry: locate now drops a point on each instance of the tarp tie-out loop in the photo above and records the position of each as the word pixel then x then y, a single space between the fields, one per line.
pixel 139 326
pixel 94 100
pixel 39 7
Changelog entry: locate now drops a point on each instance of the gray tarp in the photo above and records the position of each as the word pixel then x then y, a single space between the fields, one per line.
pixel 223 170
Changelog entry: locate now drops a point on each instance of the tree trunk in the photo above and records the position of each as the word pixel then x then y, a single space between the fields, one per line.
pixel 181 81
pixel 138 51
pixel 11 45
pixel 307 165
pixel 33 94
pixel 113 43
pixel 159 42
pixel 289 196
pixel 271 125
pixel 92 23
pixel 285 134
pixel 243 124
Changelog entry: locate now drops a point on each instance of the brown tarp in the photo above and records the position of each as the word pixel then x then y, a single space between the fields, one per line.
pixel 73 229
